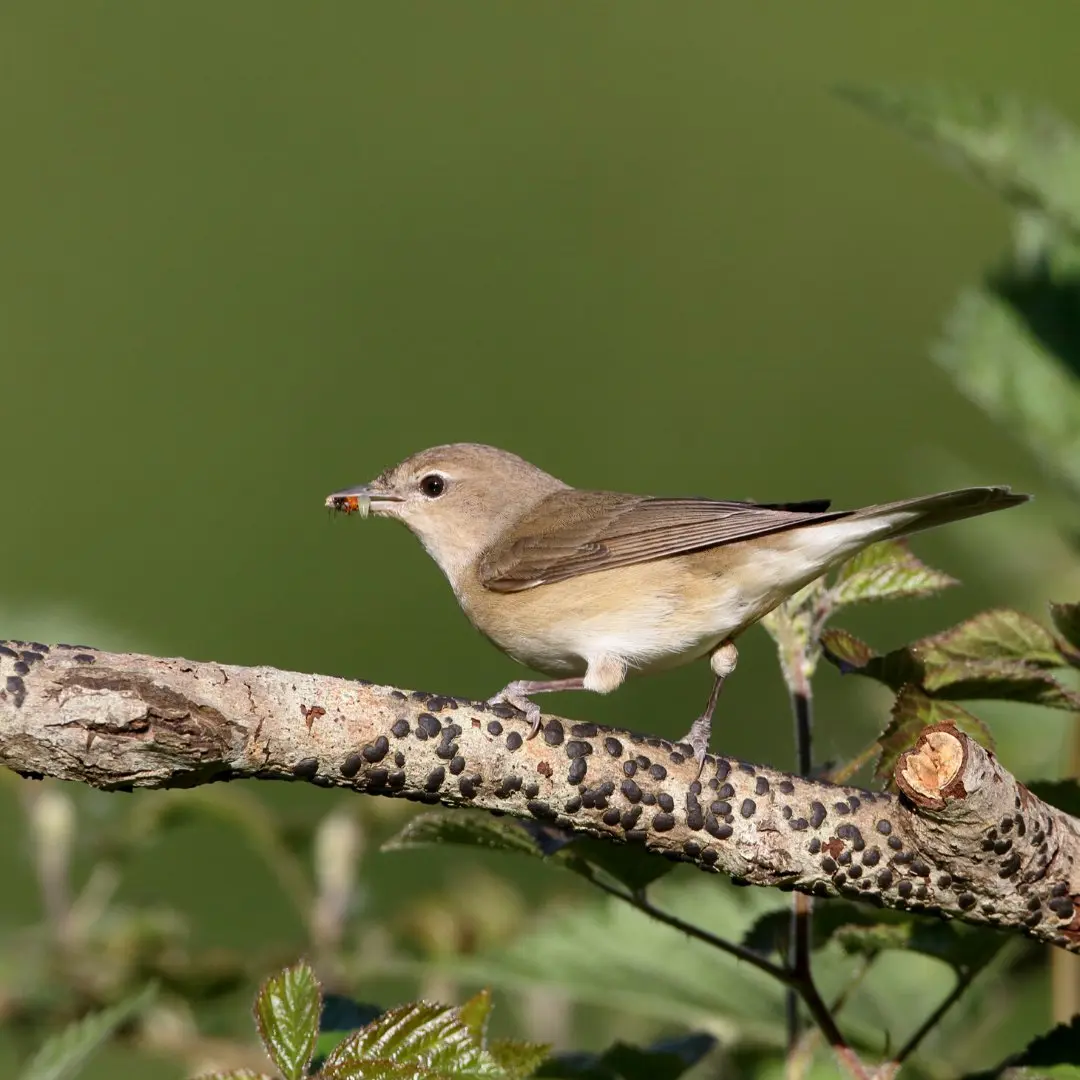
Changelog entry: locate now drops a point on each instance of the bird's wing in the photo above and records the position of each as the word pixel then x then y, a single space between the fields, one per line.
pixel 600 530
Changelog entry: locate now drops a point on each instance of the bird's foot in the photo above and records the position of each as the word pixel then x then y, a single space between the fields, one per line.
pixel 515 694
pixel 697 738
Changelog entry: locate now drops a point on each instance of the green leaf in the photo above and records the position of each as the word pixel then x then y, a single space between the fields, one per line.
pixel 474 1014
pixel 432 1040
pixel 1027 154
pixel 234 1074
pixel 340 1017
pixel 663 1061
pixel 911 712
pixel 518 1059
pixel 1063 794
pixel 287 1011
pixel 886 571
pixel 628 864
pixel 64 1054
pixel 1002 362
pixel 1053 1056
pixel 862 931
pixel 1067 621
pixel 494 834
pixel 997 654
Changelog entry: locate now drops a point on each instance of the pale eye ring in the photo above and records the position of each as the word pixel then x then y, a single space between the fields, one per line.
pixel 432 485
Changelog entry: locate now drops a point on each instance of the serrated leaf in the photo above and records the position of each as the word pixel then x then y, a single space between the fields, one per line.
pixel 668 1060
pixel 431 1039
pixel 886 571
pixel 1062 794
pixel 999 360
pixel 1066 619
pixel 287 1011
pixel 518 1059
pixel 1027 154
pixel 64 1054
pixel 911 712
pixel 1053 1056
pixel 340 1017
pixel 494 834
pixel 627 864
pixel 998 655
pixel 863 931
pixel 474 1014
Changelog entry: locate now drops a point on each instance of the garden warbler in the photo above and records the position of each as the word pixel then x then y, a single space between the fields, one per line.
pixel 591 586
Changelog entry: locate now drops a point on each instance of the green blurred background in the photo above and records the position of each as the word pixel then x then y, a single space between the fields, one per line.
pixel 254 252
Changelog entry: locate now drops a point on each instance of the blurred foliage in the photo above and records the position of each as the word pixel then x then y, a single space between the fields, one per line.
pixel 253 253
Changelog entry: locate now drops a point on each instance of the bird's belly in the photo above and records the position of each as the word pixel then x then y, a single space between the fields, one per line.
pixel 649 625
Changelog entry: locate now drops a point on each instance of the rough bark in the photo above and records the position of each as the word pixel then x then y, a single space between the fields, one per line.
pixel 964 840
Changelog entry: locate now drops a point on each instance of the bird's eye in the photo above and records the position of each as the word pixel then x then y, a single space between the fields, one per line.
pixel 433 485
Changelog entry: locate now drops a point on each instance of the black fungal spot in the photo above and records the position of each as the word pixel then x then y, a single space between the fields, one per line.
pixel 1010 865
pixel 630 790
pixel 17 689
pixel 785 813
pixel 787 787
pixel 828 865
pixel 965 901
pixel 651 740
pixel 677 758
pixel 377 750
pixel 884 827
pixel 629 768
pixel 435 779
pixel 532 790
pixel 895 843
pixel 919 868
pixel 648 798
pixel 665 802
pixel 399 759
pixel 613 746
pixel 636 835
pixel 494 727
pixel 306 768
pixel 1006 825
pixel 396 780
pixel 872 857
pixel 945 882
pixel 799 824
pixel 663 822
pixel 814 846
pixel 553 733
pixel 713 785
pixel 658 772
pixel 1060 888
pixel 584 731
pixel 539 808
pixel 397 694
pixel 922 893
pixel 572 805
pixel 508 786
pixel 576 749
pixel 853 802
pixel 725 792
pixel 746 767
pixel 720 808
pixel 351 766
pixel 842 808
pixel 709 856
pixel 817 814
pixel 761 787
pixel 691 848
pixel 576 773
pixel 401 728
pixel 748 808
pixel 905 889
pixel 513 741
pixel 83 658
pixel 855 872
pixel 611 817
pixel 32 657
pixel 377 778
pixel 695 819
pixel 5 651
pixel 22 668
pixel 1002 846
pixel 467 786
pixel 457 766
pixel 630 817
pixel 428 724
pixel 884 879
pixel 723 767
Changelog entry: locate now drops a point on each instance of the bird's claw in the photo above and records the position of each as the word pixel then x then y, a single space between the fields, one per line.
pixel 511 695
pixel 697 738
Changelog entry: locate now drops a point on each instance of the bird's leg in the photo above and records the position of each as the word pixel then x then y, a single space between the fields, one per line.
pixel 722 661
pixel 517 694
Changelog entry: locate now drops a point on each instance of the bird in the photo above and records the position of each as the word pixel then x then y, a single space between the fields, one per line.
pixel 590 587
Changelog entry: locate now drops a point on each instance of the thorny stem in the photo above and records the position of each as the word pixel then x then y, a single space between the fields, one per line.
pixel 802 985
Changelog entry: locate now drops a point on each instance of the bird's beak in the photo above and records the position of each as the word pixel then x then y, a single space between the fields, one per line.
pixel 360 500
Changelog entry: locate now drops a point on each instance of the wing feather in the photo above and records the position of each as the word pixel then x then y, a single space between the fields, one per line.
pixel 581 532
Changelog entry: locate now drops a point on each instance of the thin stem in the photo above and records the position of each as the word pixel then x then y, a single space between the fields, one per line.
pixel 802 985
pixel 962 983
pixel 802 707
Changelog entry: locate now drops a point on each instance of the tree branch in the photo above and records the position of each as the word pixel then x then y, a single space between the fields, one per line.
pixel 965 840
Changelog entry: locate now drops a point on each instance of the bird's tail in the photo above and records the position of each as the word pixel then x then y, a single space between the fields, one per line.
pixel 928 511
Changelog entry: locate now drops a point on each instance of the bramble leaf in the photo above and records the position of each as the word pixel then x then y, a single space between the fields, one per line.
pixel 287 1011
pixel 886 571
